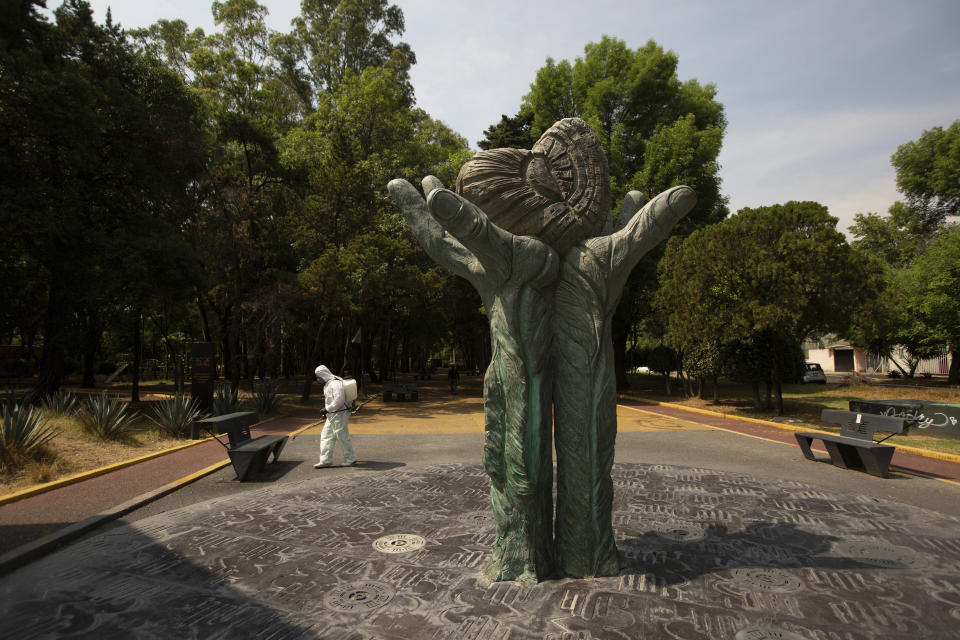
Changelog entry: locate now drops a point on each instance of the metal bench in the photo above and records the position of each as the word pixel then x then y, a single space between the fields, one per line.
pixel 248 455
pixel 401 390
pixel 854 447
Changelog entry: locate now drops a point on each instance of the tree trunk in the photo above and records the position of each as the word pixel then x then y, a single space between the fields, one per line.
pixel 620 355
pixel 757 404
pixel 777 373
pixel 204 321
pixel 716 390
pixel 137 356
pixel 954 375
pixel 91 344
pixel 53 361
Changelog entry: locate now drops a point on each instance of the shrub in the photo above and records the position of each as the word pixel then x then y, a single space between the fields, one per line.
pixel 266 396
pixel 225 400
pixel 893 374
pixel 22 435
pixel 60 403
pixel 12 397
pixel 106 418
pixel 174 415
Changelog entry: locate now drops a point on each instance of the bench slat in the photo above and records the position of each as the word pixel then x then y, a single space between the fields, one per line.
pixel 850 453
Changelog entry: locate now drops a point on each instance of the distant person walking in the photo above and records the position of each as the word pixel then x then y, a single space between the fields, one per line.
pixel 338 415
pixel 453 377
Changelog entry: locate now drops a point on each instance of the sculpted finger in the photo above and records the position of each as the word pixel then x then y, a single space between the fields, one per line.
pixel 471 226
pixel 439 245
pixel 456 214
pixel 431 184
pixel 660 215
pixel 651 226
pixel 632 203
pixel 406 196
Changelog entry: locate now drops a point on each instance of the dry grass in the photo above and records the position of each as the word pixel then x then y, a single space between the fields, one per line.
pixel 74 451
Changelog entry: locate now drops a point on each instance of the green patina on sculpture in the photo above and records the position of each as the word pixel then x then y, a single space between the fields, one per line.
pixel 523 229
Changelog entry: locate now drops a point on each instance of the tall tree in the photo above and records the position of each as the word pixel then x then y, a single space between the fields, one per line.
pixel 96 140
pixel 926 175
pixel 334 39
pixel 779 272
pixel 657 131
pixel 932 289
pixel 927 171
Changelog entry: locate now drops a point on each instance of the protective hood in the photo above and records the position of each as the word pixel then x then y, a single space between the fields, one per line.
pixel 324 374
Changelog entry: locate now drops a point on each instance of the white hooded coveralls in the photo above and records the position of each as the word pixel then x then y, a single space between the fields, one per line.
pixel 338 415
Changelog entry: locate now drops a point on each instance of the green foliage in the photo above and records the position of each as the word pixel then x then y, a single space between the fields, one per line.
pixel 168 185
pixel 267 397
pixel 776 273
pixel 60 403
pixel 22 436
pixel 174 415
pixel 99 148
pixel 657 131
pixel 931 289
pixel 225 400
pixel 510 133
pixel 702 360
pixel 662 359
pixel 896 239
pixel 106 417
pixel 927 171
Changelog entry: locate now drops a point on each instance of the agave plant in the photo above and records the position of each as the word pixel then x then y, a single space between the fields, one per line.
pixel 225 400
pixel 12 398
pixel 22 435
pixel 175 414
pixel 266 396
pixel 106 417
pixel 60 403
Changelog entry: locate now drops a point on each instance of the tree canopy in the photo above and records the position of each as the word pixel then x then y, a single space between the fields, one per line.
pixel 657 131
pixel 166 185
pixel 772 273
pixel 927 171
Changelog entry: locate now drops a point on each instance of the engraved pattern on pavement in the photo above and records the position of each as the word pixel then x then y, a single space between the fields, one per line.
pixel 706 554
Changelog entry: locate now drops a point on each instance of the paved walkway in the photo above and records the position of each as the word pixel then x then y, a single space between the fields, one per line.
pixel 726 532
pixel 439 412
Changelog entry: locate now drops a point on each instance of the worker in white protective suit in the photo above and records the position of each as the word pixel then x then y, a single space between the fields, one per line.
pixel 338 415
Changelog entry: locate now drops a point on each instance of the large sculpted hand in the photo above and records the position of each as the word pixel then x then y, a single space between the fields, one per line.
pixel 592 277
pixel 515 276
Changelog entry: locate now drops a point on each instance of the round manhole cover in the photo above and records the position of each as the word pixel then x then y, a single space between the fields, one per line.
pixel 879 554
pixel 478 518
pixel 767 579
pixel 766 633
pixel 359 596
pixel 680 531
pixel 399 543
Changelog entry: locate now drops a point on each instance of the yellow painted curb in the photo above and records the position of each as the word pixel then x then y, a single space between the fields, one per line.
pixel 93 473
pixel 199 474
pixel 302 429
pixel 948 457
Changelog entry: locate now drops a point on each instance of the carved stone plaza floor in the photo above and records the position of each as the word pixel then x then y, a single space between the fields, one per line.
pixel 706 554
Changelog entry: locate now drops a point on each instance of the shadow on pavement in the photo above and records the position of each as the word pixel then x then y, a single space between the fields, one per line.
pixel 760 546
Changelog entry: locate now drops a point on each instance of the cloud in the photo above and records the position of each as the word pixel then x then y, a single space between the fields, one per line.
pixel 839 158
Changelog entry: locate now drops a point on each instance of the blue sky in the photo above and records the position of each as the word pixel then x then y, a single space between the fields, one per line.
pixel 818 95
